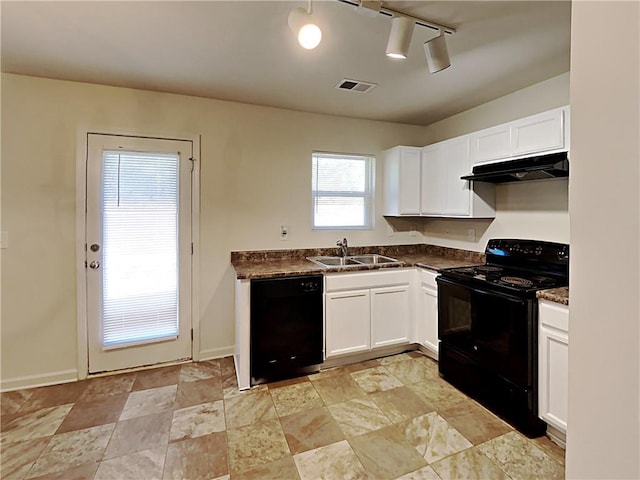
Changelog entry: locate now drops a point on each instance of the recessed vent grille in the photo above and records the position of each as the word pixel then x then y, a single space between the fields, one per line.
pixel 355 85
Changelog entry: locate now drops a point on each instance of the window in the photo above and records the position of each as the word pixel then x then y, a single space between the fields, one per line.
pixel 342 191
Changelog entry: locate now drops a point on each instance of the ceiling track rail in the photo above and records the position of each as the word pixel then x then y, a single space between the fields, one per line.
pixel 388 12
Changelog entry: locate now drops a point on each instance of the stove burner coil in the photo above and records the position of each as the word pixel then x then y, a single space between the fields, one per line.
pixel 517 281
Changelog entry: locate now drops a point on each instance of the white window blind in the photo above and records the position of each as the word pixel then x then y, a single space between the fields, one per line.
pixel 140 248
pixel 342 191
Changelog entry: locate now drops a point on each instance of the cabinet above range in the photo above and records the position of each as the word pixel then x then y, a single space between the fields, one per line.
pixel 426 181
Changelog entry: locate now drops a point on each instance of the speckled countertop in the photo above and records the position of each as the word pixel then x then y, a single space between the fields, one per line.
pixel 283 263
pixel 558 295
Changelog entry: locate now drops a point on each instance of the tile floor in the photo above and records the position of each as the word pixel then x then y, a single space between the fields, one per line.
pixel 384 419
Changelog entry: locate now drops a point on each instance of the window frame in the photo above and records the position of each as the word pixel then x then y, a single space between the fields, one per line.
pixel 368 195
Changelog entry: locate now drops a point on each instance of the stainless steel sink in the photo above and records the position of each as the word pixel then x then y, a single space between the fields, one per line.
pixel 373 259
pixel 352 261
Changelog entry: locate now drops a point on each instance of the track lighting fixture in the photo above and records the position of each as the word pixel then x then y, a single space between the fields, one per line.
pixel 304 27
pixel 436 52
pixel 400 37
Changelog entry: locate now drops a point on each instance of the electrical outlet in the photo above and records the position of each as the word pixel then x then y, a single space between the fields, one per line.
pixel 471 234
pixel 284 232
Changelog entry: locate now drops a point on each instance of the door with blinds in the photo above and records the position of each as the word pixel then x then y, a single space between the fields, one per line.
pixel 138 251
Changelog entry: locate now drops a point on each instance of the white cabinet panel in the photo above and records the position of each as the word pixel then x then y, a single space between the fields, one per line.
pixel 347 322
pixel 434 188
pixel 401 188
pixel 553 363
pixel 538 133
pixel 491 144
pixel 428 310
pixel 390 315
pixel 458 196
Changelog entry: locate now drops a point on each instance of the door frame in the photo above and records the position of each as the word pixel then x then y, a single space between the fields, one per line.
pixel 81 270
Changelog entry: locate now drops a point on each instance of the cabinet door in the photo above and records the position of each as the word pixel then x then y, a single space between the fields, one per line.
pixel 347 322
pixel 428 317
pixel 458 194
pixel 434 172
pixel 538 133
pixel 390 310
pixel 409 181
pixel 491 144
pixel 553 377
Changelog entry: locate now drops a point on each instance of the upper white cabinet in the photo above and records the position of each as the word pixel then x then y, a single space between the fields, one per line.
pixel 542 133
pixel 401 181
pixel 553 363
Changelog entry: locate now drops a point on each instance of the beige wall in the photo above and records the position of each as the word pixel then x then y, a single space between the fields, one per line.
pixel 255 176
pixel 603 439
pixel 537 210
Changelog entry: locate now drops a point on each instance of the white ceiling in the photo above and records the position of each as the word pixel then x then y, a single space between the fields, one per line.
pixel 244 51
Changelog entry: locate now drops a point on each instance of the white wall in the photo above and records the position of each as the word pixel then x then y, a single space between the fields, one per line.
pixel 255 176
pixel 536 210
pixel 603 438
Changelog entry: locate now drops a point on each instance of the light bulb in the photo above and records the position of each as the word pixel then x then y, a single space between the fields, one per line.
pixel 309 36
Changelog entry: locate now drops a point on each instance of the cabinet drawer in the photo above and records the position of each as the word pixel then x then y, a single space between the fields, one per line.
pixel 379 278
pixel 554 315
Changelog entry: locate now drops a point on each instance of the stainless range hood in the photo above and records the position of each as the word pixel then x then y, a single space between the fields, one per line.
pixel 532 168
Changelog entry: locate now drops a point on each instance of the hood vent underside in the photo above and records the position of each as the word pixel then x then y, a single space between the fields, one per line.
pixel 553 165
pixel 355 85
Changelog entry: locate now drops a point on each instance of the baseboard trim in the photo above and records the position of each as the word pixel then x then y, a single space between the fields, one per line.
pixel 40 380
pixel 213 353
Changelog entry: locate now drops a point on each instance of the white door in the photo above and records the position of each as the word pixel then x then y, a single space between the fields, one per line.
pixel 138 251
pixel 348 321
pixel 390 316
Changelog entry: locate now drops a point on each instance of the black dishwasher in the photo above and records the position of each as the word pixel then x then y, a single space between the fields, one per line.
pixel 286 327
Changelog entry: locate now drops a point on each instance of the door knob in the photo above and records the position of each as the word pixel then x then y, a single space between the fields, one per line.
pixel 94 265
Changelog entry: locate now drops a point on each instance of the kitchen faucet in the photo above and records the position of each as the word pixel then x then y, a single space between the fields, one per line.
pixel 343 245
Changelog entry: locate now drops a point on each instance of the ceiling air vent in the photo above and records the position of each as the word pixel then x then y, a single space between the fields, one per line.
pixel 355 85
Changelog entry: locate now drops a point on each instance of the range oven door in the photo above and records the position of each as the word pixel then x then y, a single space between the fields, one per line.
pixel 493 329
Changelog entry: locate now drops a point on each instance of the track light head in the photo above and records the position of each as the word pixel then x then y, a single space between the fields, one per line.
pixel 436 53
pixel 304 27
pixel 400 37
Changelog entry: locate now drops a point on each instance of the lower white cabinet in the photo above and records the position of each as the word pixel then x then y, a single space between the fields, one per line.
pixel 367 310
pixel 428 310
pixel 553 363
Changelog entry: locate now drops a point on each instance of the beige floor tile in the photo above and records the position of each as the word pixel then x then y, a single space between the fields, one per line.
pixel 96 412
pixel 358 416
pixel 11 402
pixel 356 367
pixel 424 473
pixel 147 465
pixel 247 408
pixel 385 453
pixel 469 464
pixel 156 377
pixel 335 461
pixel 199 458
pixel 86 471
pixel 376 379
pixel 338 388
pixel 393 358
pixel 147 402
pixel 413 370
pixel 520 458
pixel 202 391
pixel 18 457
pixel 310 429
pixel 255 445
pixel 287 382
pixel 72 449
pixel 101 387
pixel 281 469
pixel 192 372
pixel 295 398
pixel 197 421
pixel 474 422
pixel 551 448
pixel 400 404
pixel 438 393
pixel 433 437
pixel 41 423
pixel 329 372
pixel 54 395
pixel 138 434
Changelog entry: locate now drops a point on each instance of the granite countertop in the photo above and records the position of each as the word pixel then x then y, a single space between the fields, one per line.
pixel 283 263
pixel 558 295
